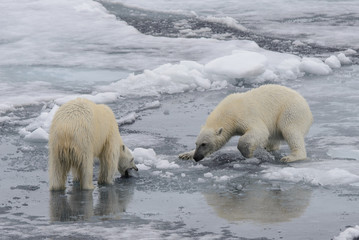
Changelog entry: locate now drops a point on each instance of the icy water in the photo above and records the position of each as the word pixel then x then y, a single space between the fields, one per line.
pixel 162 66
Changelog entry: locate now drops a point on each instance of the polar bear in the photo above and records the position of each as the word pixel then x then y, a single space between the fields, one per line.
pixel 80 131
pixel 262 117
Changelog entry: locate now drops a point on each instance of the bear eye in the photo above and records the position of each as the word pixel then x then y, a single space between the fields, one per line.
pixel 203 144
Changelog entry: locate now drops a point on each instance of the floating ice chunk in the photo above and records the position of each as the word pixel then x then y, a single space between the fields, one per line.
pixel 165 164
pixel 268 75
pixel 39 135
pixel 145 156
pixel 333 62
pixel 241 64
pixel 236 165
pixel 167 175
pixel 344 60
pixel 230 22
pixel 128 119
pixel 222 178
pixel 314 66
pixel 183 175
pixel 349 52
pixel 142 167
pixel 289 68
pixel 151 105
pixel 349 234
pixel 298 43
pixel 312 176
pixel 208 175
pixel 149 158
pixel 5 119
pixel 156 173
pixel 201 180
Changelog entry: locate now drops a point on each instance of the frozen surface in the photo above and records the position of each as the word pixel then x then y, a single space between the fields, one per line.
pixel 162 72
pixel 322 22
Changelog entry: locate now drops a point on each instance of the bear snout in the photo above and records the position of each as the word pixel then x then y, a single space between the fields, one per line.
pixel 198 157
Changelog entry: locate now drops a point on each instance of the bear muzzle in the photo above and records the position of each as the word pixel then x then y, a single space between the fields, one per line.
pixel 198 157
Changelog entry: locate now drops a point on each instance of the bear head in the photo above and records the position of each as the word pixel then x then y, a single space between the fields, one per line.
pixel 126 161
pixel 208 141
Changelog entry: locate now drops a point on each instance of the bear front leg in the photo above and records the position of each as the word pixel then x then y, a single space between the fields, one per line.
pixel 295 140
pixel 187 155
pixel 107 172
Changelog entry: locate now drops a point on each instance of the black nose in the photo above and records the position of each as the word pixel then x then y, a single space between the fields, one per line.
pixel 198 157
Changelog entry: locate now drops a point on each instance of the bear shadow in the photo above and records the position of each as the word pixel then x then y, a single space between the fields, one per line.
pixel 223 159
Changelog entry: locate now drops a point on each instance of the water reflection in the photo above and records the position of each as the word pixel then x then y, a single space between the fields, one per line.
pixel 78 205
pixel 261 203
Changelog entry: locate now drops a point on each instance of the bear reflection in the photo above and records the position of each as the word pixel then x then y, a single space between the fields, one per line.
pixel 261 203
pixel 76 205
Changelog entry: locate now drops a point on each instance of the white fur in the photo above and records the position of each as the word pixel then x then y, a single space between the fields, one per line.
pixel 80 131
pixel 262 117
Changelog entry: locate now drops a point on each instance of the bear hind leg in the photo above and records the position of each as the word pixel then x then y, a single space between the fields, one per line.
pixel 58 169
pixel 295 140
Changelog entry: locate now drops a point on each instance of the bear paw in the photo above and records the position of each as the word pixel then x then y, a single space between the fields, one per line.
pixel 290 158
pixel 186 155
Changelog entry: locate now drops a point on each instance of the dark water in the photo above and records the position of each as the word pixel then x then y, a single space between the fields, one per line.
pixel 170 25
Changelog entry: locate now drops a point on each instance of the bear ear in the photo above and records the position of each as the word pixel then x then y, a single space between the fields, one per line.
pixel 219 131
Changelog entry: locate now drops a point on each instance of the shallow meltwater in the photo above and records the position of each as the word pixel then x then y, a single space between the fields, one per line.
pixel 224 196
pixel 162 67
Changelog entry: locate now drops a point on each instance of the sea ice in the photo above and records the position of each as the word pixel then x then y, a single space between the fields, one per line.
pixel 208 175
pixel 314 66
pixel 128 119
pixel 39 135
pixel 241 64
pixel 350 233
pixel 344 60
pixel 148 158
pixel 331 177
pixel 333 62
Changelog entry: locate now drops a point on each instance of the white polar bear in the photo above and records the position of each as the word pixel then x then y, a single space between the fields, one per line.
pixel 80 131
pixel 262 117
